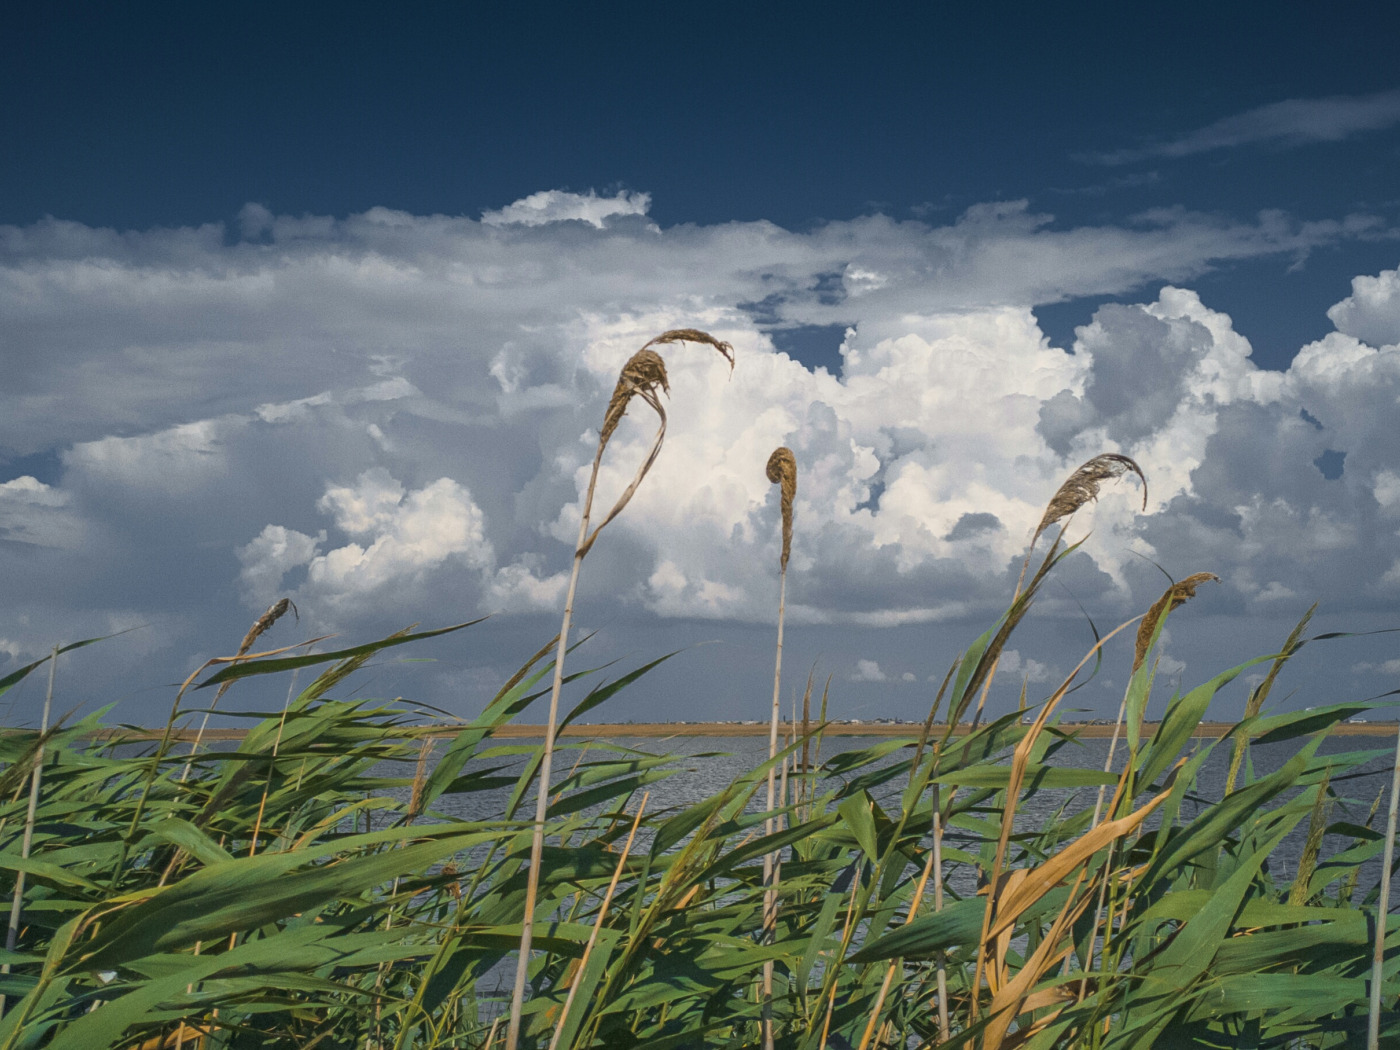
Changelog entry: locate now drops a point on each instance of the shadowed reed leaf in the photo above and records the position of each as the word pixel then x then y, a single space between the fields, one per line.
pixel 1082 487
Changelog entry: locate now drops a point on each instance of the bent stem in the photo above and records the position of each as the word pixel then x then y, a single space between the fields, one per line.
pixel 781 471
pixel 598 924
pixel 640 377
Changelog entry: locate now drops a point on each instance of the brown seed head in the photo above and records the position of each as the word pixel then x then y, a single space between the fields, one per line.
pixel 1083 486
pixel 1176 594
pixel 264 622
pixel 782 470
pixel 641 375
pixel 694 335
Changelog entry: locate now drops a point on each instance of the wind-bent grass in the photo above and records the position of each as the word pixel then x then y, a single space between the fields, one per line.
pixel 660 943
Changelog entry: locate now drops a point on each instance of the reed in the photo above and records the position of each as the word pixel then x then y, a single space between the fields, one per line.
pixel 781 471
pixel 352 921
pixel 644 377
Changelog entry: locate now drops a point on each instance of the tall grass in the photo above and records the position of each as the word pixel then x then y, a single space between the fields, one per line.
pixel 351 926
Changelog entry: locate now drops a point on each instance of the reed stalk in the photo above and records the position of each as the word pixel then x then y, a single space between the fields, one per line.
pixel 1260 693
pixel 781 471
pixel 598 924
pixel 1373 1026
pixel 644 376
pixel 260 626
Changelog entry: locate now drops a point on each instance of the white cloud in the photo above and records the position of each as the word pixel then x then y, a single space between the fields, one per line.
pixel 392 417
pixel 1023 668
pixel 1372 312
pixel 559 206
pixel 868 671
pixel 275 552
pixel 402 535
pixel 1169 665
pixel 34 513
pixel 1386 667
pixel 1292 122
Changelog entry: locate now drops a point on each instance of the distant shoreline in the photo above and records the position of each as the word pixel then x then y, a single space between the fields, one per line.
pixel 664 730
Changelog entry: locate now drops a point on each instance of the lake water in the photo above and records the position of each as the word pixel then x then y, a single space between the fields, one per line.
pixel 707 764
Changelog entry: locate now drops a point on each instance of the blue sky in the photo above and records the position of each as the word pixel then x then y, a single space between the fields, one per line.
pixel 324 301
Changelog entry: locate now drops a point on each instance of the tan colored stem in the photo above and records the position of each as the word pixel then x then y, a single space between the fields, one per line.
pixel 770 860
pixel 598 924
pixel 894 963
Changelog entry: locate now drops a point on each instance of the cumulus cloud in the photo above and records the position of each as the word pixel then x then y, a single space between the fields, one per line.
pixel 868 671
pixel 1292 122
pixel 35 513
pixel 1023 668
pixel 398 537
pixel 560 206
pixel 1372 312
pixel 392 417
pixel 1385 667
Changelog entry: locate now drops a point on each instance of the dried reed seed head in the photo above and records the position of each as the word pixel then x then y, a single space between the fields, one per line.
pixel 642 374
pixel 782 470
pixel 694 335
pixel 1082 487
pixel 264 622
pixel 1177 594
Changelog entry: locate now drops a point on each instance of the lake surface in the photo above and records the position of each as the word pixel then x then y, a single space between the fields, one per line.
pixel 705 765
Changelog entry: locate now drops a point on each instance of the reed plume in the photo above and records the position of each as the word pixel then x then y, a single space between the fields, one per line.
pixel 1079 488
pixel 1082 487
pixel 781 471
pixel 643 376
pixel 261 626
pixel 1176 595
pixel 1260 693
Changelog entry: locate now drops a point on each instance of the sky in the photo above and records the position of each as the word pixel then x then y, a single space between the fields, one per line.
pixel 326 302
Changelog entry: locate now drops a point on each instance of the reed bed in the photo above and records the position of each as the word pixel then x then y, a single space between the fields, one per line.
pixel 317 887
pixel 359 912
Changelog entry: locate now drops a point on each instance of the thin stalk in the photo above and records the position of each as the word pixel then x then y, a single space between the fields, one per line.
pixel 1373 1028
pixel 770 860
pixel 941 958
pixel 598 924
pixel 640 377
pixel 260 626
pixel 522 969
pixel 781 470
pixel 829 993
pixel 1098 812
pixel 17 905
pixel 1013 788
pixel 894 963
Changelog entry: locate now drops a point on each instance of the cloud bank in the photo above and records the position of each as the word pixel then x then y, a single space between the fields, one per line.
pixel 390 418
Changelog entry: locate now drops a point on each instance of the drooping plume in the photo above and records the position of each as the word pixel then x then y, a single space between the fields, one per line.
pixel 1082 487
pixel 782 471
pixel 1177 594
